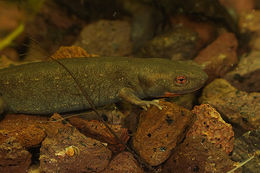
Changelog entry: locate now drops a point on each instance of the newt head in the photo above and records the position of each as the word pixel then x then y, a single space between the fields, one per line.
pixel 173 78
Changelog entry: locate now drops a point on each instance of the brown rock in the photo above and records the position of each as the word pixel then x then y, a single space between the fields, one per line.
pixel 206 31
pixel 236 106
pixel 97 130
pixel 255 42
pixel 250 21
pixel 52 27
pixel 106 38
pixel 25 129
pixel 198 155
pixel 187 100
pixel 246 76
pixel 123 162
pixel 180 43
pixel 13 157
pixel 10 16
pixel 245 147
pixel 211 126
pixel 219 57
pixel 159 131
pixel 66 150
pixel 240 6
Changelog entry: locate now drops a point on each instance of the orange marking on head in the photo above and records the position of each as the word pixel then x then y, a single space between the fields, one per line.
pixel 169 94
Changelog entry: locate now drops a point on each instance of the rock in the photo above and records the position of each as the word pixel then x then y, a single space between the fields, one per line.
pixel 236 106
pixel 219 57
pixel 210 9
pixel 159 131
pixel 237 8
pixel 186 100
pixel 205 30
pixel 10 17
pixel 146 19
pixel 24 129
pixel 97 130
pixel 51 28
pixel 246 76
pixel 250 21
pixel 71 52
pixel 255 43
pixel 180 43
pixel 13 157
pixel 123 162
pixel 198 155
pixel 65 149
pixel 106 38
pixel 246 146
pixel 211 126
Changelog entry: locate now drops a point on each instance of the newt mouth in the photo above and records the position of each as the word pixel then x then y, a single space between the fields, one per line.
pixel 169 94
pixel 178 93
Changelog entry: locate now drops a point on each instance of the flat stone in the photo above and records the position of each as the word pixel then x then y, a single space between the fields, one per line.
pixel 211 126
pixel 65 149
pixel 196 154
pixel 238 107
pixel 25 129
pixel 246 76
pixel 123 162
pixel 219 57
pixel 206 30
pixel 159 131
pixel 106 38
pixel 97 130
pixel 14 157
pixel 245 147
pixel 180 43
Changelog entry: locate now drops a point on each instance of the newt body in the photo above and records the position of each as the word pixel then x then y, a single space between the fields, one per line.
pixel 46 87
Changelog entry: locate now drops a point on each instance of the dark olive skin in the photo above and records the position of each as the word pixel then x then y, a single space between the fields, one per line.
pixel 46 87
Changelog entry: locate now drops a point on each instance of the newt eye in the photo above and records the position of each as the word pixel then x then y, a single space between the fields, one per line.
pixel 181 80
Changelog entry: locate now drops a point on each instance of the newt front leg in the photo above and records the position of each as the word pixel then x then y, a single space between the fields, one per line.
pixel 129 95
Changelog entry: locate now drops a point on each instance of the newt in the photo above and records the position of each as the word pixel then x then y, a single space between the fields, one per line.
pixel 46 87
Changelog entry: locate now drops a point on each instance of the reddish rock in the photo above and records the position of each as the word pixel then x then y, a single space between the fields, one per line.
pixel 220 56
pixel 211 126
pixel 71 52
pixel 159 131
pixel 65 149
pixel 106 38
pixel 123 162
pixel 25 129
pixel 198 155
pixel 97 130
pixel 206 31
pixel 246 76
pixel 13 157
pixel 10 17
pixel 236 106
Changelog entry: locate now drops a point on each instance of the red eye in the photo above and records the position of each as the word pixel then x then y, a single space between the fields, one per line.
pixel 181 79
